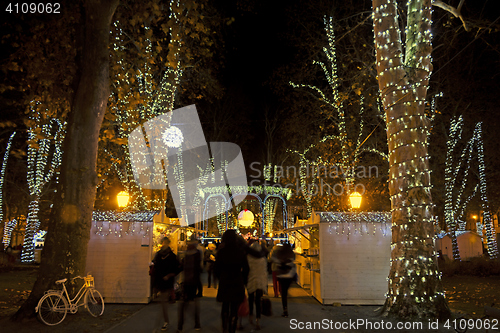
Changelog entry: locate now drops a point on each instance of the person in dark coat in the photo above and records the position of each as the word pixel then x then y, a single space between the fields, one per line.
pixel 191 266
pixel 257 279
pixel 284 257
pixel 231 268
pixel 210 254
pixel 166 267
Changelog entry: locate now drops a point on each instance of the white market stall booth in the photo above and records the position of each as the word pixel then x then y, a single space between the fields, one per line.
pixel 120 249
pixel 470 244
pixel 344 257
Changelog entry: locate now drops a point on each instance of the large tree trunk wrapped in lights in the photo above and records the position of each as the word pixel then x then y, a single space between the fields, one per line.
pixel 415 288
pixel 65 249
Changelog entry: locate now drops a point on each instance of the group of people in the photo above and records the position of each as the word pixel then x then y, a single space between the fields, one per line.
pixel 240 267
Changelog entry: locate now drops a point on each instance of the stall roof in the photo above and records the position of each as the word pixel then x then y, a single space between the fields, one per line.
pixel 300 228
pixel 120 216
pixel 343 217
pixel 306 226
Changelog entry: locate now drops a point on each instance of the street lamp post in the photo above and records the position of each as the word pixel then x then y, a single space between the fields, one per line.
pixel 122 199
pixel 355 199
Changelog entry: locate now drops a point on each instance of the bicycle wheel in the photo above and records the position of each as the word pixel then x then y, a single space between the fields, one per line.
pixel 94 302
pixel 52 309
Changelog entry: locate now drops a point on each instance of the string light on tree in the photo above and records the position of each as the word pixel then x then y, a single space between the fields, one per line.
pixel 45 140
pixel 156 101
pixel 2 179
pixel 7 232
pixel 351 149
pixel 415 288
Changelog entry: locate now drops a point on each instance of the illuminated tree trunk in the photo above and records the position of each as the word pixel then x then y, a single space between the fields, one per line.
pixel 487 220
pixel 2 178
pixel 32 225
pixel 449 183
pixel 65 250
pixel 415 288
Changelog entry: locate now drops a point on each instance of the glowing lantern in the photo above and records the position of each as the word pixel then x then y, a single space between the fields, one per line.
pixel 122 198
pixel 355 199
pixel 245 218
pixel 173 137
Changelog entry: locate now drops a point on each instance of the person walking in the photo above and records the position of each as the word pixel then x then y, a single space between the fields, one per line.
pixel 231 269
pixel 191 267
pixel 257 280
pixel 284 257
pixel 166 267
pixel 210 254
pixel 274 270
pixel 199 292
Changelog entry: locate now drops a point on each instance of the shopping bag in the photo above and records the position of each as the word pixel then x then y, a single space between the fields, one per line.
pixel 244 309
pixel 266 308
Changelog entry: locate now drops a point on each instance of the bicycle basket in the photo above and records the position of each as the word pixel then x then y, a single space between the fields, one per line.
pixel 89 281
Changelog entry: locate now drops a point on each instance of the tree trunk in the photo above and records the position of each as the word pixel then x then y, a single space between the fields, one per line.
pixel 450 182
pixel 415 288
pixel 2 178
pixel 32 225
pixel 65 250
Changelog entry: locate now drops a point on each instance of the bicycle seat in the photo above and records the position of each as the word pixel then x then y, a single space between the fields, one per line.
pixel 61 281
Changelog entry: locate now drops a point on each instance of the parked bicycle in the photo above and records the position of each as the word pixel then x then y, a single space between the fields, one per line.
pixel 55 304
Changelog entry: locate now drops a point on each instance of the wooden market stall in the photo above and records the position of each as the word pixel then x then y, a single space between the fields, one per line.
pixel 344 257
pixel 469 243
pixel 120 250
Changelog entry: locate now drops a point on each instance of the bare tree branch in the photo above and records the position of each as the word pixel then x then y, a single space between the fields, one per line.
pixel 453 10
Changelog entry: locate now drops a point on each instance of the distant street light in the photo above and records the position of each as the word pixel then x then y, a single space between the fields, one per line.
pixel 122 198
pixel 355 199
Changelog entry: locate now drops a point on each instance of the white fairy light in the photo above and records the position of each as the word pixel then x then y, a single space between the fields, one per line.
pixel 2 179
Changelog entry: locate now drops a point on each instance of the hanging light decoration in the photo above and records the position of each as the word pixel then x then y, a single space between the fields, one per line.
pixel 245 218
pixel 122 199
pixel 355 199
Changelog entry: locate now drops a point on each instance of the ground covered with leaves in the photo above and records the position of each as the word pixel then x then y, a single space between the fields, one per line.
pixel 15 286
pixel 469 294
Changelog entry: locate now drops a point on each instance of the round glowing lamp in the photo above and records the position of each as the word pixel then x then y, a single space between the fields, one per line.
pixel 245 218
pixel 355 199
pixel 173 137
pixel 122 198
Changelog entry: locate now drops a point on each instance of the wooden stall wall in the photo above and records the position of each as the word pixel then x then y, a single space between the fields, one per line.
pixel 119 261
pixel 354 261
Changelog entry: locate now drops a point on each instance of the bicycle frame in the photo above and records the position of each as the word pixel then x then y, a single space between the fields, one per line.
pixel 74 302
